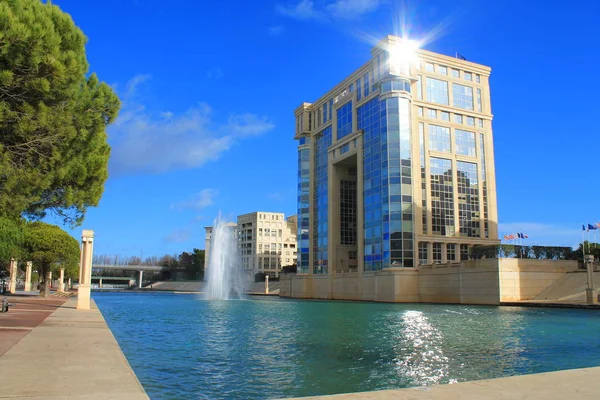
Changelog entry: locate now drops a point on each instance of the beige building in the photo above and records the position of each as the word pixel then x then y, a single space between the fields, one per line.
pixel 267 242
pixel 396 165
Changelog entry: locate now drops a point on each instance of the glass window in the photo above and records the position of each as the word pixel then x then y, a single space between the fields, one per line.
pixel 344 120
pixel 325 113
pixel 432 113
pixel 437 252
pixel 451 252
pixel 442 70
pixel 366 84
pixel 429 67
pixel 330 109
pixel 351 87
pixel 471 121
pixel 358 90
pixel 455 73
pixel 420 111
pixel 468 199
pixel 442 198
pixel 468 76
pixel 462 96
pixel 437 91
pixel 458 118
pixel 465 142
pixel 445 116
pixel 479 100
pixel 480 122
pixel 439 138
pixel 477 78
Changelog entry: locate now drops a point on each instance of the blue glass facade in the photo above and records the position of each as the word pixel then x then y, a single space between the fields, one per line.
pixel 344 120
pixel 303 237
pixel 320 201
pixel 388 225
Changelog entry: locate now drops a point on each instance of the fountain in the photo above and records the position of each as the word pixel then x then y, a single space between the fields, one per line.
pixel 223 273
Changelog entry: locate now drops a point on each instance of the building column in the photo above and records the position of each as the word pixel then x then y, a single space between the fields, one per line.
pixel 429 253
pixel 266 284
pixel 69 285
pixel 61 282
pixel 100 283
pixel 12 287
pixel 50 279
pixel 83 292
pixel 444 253
pixel 28 276
pixel 140 279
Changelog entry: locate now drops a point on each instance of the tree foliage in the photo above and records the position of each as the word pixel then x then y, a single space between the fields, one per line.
pixel 516 251
pixel 11 239
pixel 53 118
pixel 50 248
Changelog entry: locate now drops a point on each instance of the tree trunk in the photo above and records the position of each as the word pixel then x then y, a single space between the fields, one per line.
pixel 45 285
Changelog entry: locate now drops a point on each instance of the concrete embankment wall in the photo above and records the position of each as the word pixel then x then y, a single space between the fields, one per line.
pixel 488 281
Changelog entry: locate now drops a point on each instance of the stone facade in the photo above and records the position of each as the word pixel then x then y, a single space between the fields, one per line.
pixel 490 281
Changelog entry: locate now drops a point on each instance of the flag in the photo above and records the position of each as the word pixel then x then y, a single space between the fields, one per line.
pixel 519 236
pixel 598 225
pixel 524 236
pixel 592 227
pixel 583 227
pixel 506 237
pixel 511 236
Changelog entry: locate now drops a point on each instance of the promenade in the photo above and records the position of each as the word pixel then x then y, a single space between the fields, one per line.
pixel 72 354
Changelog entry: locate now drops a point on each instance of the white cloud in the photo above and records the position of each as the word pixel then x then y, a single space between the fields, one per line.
pixel 276 30
pixel 351 9
pixel 178 236
pixel 304 10
pixel 165 141
pixel 338 9
pixel 215 72
pixel 543 234
pixel 205 198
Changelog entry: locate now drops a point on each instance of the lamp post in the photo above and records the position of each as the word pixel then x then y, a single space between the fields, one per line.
pixel 591 294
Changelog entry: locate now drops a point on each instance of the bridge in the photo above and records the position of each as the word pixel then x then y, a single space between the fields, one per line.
pixel 97 270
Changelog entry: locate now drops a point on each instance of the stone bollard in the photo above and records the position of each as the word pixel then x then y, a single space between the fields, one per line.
pixel 266 284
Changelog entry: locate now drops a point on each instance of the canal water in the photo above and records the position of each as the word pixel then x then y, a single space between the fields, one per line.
pixel 181 346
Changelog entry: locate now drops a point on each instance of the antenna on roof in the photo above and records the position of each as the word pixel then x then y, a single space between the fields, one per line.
pixel 460 56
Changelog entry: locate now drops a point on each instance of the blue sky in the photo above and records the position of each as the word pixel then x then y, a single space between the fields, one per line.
pixel 209 89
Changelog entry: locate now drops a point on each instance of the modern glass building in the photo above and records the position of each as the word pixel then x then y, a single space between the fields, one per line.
pixel 396 165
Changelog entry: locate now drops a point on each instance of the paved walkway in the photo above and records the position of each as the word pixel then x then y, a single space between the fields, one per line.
pixel 72 354
pixel 26 313
pixel 580 384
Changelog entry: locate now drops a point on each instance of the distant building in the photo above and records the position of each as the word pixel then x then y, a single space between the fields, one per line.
pixel 266 242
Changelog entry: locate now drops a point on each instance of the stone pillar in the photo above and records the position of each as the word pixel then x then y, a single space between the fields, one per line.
pixel 12 286
pixel 591 294
pixel 69 285
pixel 83 293
pixel 100 283
pixel 50 279
pixel 429 253
pixel 140 279
pixel 80 261
pixel 61 282
pixel 444 253
pixel 28 276
pixel 266 284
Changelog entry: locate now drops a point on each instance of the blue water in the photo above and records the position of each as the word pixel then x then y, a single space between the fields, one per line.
pixel 181 346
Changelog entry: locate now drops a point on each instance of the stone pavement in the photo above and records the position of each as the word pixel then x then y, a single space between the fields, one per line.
pixel 27 313
pixel 72 354
pixel 580 384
